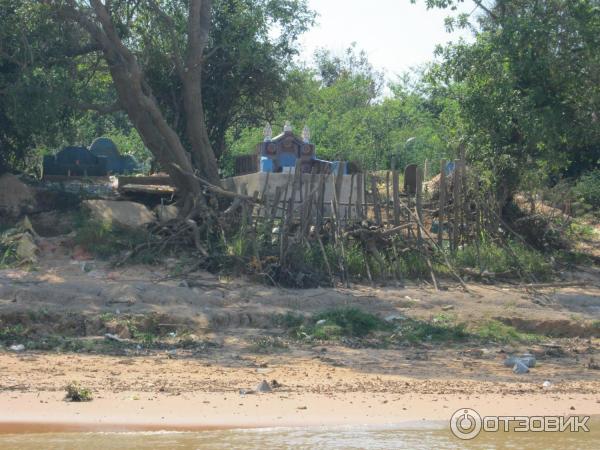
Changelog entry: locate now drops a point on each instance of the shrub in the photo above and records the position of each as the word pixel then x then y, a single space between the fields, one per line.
pixel 351 321
pixel 441 329
pixel 513 257
pixel 77 393
pixel 587 190
pixel 496 331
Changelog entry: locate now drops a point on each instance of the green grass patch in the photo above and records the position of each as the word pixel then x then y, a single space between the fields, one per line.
pixel 350 321
pixel 495 331
pixel 104 240
pixel 268 344
pixel 440 329
pixel 511 258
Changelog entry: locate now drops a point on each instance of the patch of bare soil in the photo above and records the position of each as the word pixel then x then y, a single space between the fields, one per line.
pixel 226 319
pixel 220 337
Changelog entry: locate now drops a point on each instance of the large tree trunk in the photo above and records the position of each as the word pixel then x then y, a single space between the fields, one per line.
pixel 198 28
pixel 136 98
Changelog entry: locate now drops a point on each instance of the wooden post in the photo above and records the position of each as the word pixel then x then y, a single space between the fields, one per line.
pixel 376 204
pixel 387 196
pixel 442 204
pixel 337 231
pixel 456 204
pixel 348 213
pixel 396 194
pixel 359 196
pixel 338 186
pixel 419 201
pixel 321 201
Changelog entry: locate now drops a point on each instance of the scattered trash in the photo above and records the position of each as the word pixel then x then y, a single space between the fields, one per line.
pixel 321 322
pixel 394 317
pixel 17 347
pixel 526 359
pixel 546 384
pixel 275 384
pixel 520 368
pixel 114 337
pixel 263 387
pixel 246 392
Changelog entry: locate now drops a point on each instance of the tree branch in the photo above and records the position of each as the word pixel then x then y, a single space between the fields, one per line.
pixel 486 9
pixel 102 109
pixel 170 23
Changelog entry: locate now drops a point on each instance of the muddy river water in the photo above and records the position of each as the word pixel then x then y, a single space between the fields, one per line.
pixel 415 437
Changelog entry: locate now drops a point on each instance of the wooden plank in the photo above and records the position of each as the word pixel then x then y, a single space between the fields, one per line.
pixel 157 180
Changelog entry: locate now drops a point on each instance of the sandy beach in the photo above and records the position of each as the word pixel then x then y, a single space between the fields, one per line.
pixel 128 395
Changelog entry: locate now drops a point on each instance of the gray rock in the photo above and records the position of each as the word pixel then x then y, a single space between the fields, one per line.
pixel 520 368
pixel 126 214
pixel 17 347
pixel 166 212
pixel 263 387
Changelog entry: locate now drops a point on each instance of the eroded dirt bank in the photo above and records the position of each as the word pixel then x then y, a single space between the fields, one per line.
pixel 196 341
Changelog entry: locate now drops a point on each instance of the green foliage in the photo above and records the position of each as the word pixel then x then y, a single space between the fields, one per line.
pixel 289 320
pixel 525 95
pixel 495 331
pixel 587 190
pixel 105 240
pixel 349 322
pixel 341 101
pixel 511 258
pixel 12 333
pixel 51 73
pixel 268 344
pixel 78 393
pixel 440 329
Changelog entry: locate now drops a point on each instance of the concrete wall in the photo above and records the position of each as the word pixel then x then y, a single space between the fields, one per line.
pixel 250 183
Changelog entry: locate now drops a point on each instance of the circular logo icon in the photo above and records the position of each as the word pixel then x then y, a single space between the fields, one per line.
pixel 465 424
